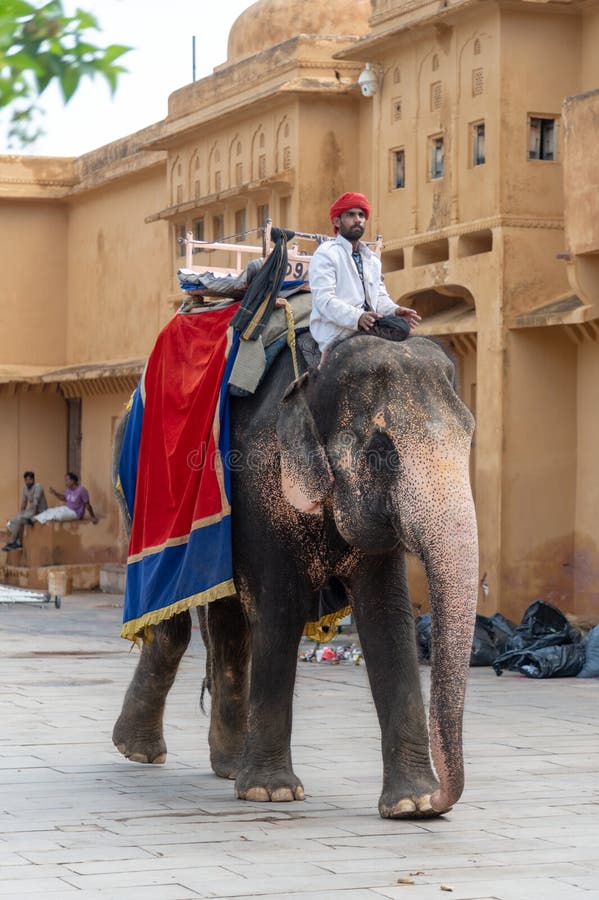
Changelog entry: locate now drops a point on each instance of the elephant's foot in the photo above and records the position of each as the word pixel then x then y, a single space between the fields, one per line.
pixel 225 765
pixel 138 742
pixel 409 799
pixel 226 744
pixel 280 786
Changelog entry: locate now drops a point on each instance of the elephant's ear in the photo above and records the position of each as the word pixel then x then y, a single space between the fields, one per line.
pixel 306 476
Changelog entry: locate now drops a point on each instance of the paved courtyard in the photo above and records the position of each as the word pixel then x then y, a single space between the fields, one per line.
pixel 79 821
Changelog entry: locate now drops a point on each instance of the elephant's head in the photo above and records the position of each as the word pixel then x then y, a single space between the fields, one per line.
pixel 379 437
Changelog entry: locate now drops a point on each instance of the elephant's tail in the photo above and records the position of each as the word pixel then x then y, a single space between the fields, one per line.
pixel 205 687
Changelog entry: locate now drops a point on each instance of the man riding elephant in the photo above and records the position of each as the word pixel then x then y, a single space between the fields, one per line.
pixel 348 292
pixel 336 476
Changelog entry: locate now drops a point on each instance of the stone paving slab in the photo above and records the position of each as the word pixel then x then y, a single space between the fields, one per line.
pixel 79 821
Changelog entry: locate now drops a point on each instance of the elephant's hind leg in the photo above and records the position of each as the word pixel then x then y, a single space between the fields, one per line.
pixel 228 647
pixel 137 733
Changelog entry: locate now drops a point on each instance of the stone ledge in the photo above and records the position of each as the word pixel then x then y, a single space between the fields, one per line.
pixel 112 578
pixel 82 577
pixel 65 544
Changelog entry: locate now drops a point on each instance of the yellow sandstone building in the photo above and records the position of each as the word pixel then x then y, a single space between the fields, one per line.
pixel 477 144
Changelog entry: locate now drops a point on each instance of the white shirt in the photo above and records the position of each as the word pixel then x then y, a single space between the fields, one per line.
pixel 337 293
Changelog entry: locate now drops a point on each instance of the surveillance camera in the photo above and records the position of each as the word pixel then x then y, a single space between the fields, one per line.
pixel 368 81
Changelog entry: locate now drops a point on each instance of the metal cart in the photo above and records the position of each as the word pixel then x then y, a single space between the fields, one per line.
pixel 10 594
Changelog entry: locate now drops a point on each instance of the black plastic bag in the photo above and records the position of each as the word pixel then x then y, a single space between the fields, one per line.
pixel 591 650
pixel 503 630
pixel 490 636
pixel 561 661
pixel 539 645
pixel 542 622
pixel 484 647
pixel 423 636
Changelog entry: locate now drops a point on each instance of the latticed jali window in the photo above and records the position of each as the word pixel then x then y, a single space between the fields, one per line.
pixel 436 95
pixel 478 81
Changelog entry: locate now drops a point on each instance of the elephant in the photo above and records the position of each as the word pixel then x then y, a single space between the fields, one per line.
pixel 340 473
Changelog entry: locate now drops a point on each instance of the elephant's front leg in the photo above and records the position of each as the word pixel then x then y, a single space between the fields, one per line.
pixel 385 625
pixel 137 733
pixel 266 771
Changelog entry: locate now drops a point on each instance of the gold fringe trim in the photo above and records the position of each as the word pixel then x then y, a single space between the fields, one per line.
pixel 315 630
pixel 135 629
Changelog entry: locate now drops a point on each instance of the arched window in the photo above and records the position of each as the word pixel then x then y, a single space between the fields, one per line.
pixel 215 174
pixel 258 156
pixel 176 181
pixel 282 148
pixel 235 162
pixel 194 174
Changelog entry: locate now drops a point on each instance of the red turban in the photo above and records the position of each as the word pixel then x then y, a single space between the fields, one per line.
pixel 349 201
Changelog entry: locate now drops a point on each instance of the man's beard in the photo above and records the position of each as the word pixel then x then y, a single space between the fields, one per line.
pixel 353 233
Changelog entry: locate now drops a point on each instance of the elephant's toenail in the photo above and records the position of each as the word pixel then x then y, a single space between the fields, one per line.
pixel 282 795
pixel 138 757
pixel 257 795
pixel 424 803
pixel 405 806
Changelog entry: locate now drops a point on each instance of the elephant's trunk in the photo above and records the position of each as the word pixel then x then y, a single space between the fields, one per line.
pixel 453 586
pixel 445 537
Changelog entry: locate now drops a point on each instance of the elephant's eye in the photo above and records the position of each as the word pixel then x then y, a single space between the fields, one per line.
pixel 381 455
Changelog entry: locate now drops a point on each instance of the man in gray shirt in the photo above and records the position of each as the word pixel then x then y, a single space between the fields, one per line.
pixel 33 502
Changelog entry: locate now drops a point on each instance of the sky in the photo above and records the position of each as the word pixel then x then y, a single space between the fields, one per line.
pixel 161 62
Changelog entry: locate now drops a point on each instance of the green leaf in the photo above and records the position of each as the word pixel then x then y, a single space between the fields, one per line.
pixel 86 20
pixel 69 81
pixel 24 61
pixel 111 78
pixel 17 9
pixel 113 51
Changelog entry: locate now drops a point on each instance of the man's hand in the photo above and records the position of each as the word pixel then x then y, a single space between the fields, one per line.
pixel 367 320
pixel 410 315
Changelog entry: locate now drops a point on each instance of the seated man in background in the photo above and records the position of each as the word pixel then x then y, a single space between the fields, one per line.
pixel 76 500
pixel 33 502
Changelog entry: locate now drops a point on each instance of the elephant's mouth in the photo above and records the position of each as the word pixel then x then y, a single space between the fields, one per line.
pixel 378 541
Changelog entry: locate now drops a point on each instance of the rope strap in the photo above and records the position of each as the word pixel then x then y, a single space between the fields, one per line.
pixel 291 336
